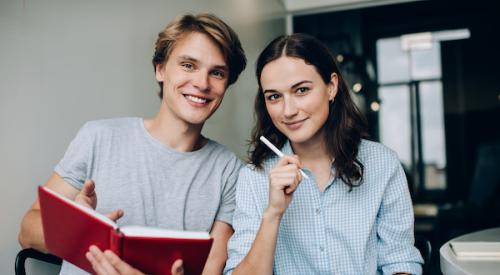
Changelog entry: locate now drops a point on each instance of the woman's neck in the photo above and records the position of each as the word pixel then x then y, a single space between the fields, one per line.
pixel 172 131
pixel 314 156
pixel 312 150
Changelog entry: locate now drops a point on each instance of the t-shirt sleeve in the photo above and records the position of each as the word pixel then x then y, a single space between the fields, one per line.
pixel 227 205
pixel 74 167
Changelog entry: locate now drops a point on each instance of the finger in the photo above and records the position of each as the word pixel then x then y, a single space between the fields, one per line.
pixel 292 187
pixel 88 188
pixel 95 264
pixel 283 184
pixel 121 266
pixel 284 160
pixel 288 170
pixel 177 268
pixel 102 263
pixel 299 163
pixel 115 215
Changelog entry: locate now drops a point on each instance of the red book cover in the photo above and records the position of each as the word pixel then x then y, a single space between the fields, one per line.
pixel 70 229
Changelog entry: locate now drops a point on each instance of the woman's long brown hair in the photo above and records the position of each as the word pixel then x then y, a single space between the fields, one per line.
pixel 345 125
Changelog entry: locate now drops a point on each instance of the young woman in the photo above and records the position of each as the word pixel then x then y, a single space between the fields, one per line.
pixel 353 212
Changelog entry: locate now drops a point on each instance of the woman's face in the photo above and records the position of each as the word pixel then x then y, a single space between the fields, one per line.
pixel 297 98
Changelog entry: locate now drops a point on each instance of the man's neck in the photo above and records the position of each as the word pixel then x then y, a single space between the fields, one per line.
pixel 174 132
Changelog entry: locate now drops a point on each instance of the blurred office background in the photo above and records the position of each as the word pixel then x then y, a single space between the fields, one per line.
pixel 425 75
pixel 423 72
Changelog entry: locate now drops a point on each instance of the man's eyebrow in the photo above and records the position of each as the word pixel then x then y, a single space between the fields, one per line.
pixel 187 58
pixel 223 67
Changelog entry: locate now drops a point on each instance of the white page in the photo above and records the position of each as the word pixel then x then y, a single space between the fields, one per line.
pixel 85 209
pixel 140 231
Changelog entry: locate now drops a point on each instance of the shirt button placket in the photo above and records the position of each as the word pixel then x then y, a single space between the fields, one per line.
pixel 322 235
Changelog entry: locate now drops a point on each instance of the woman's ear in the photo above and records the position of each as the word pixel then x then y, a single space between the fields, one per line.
pixel 333 87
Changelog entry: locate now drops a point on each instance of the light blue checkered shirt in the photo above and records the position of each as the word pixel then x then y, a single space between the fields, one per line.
pixel 366 231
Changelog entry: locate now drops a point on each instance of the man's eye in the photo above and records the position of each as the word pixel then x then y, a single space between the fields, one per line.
pixel 302 90
pixel 218 74
pixel 188 66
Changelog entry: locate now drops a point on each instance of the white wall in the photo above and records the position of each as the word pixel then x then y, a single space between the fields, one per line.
pixel 65 62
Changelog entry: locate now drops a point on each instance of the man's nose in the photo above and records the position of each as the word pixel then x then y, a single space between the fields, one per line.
pixel 200 80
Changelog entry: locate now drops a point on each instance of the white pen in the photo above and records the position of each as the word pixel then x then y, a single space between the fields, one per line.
pixel 278 152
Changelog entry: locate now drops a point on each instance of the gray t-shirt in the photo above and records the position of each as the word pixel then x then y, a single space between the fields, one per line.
pixel 154 184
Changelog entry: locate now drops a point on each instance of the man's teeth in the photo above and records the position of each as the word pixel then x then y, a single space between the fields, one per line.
pixel 196 99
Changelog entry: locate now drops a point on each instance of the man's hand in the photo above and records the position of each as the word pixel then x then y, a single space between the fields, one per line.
pixel 87 197
pixel 108 263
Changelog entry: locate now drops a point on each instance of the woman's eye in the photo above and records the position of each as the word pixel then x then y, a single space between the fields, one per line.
pixel 302 90
pixel 187 66
pixel 273 97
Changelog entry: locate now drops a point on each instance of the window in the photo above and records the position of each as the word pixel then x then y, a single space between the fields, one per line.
pixel 411 114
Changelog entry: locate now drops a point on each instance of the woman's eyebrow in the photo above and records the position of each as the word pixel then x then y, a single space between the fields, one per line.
pixel 270 91
pixel 300 83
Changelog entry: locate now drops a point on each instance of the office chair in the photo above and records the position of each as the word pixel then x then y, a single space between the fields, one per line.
pixel 24 254
pixel 424 246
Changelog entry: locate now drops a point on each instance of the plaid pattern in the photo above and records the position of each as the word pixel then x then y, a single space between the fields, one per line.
pixel 366 231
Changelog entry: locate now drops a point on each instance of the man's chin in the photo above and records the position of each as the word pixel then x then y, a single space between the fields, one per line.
pixel 196 120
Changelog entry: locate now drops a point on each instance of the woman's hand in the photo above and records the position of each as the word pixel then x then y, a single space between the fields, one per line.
pixel 108 263
pixel 283 181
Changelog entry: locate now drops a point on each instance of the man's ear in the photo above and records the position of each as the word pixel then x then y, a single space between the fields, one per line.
pixel 333 86
pixel 159 72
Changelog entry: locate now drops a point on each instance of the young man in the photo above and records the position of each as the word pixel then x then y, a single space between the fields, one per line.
pixel 160 172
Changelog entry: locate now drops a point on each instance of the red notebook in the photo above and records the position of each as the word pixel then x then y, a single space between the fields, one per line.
pixel 70 229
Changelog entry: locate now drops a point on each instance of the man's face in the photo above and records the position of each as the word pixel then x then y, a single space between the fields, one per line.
pixel 194 78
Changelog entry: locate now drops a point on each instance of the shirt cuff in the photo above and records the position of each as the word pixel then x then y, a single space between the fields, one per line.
pixel 412 268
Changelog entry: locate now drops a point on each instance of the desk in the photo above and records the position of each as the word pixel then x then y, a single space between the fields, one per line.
pixel 451 266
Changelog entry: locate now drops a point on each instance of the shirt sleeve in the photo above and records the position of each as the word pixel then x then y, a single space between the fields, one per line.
pixel 74 167
pixel 246 220
pixel 395 239
pixel 227 205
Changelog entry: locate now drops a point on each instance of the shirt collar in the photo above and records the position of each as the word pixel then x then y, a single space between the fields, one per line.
pixel 287 148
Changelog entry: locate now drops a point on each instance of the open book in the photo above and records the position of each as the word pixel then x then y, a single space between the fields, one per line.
pixel 475 250
pixel 70 229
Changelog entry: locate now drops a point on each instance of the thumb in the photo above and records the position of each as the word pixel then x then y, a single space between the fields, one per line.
pixel 298 162
pixel 88 188
pixel 115 215
pixel 177 268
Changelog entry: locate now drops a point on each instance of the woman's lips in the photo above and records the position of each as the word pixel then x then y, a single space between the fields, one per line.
pixel 293 125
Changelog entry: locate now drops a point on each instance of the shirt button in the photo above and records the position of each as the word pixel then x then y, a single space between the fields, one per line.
pixel 321 248
pixel 318 211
